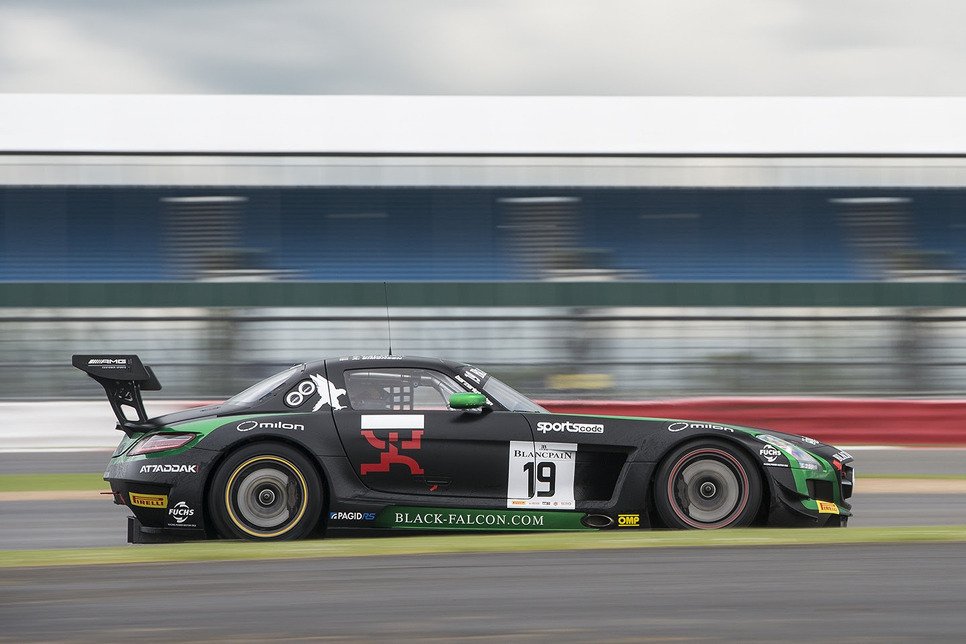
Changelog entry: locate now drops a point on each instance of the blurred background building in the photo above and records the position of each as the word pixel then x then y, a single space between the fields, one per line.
pixel 647 247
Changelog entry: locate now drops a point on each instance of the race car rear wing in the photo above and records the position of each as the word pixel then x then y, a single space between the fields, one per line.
pixel 123 379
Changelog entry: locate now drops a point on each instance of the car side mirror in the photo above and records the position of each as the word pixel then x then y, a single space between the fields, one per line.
pixel 467 401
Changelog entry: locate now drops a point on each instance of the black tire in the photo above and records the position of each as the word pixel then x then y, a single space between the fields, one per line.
pixel 707 485
pixel 266 492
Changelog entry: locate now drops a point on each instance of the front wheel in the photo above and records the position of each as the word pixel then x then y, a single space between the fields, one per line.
pixel 707 485
pixel 266 492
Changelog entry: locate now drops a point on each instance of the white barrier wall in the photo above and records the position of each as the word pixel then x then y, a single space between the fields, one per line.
pixel 70 426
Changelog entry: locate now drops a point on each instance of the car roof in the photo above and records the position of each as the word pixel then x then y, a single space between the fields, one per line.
pixel 364 361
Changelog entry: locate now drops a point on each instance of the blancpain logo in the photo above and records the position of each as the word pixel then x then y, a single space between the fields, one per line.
pixel 569 426
pixel 169 469
pixel 249 425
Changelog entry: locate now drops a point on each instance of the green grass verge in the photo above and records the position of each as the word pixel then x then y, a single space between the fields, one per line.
pixel 52 482
pixel 405 545
pixel 926 477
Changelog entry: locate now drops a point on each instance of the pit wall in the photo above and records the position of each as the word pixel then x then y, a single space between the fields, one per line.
pixel 839 421
pixel 89 425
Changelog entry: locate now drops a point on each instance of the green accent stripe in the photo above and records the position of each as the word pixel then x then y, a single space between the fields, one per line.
pixel 489 294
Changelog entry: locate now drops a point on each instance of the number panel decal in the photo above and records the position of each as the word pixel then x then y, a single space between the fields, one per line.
pixel 541 475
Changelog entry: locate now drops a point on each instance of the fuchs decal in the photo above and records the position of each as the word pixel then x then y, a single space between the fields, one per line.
pixel 390 447
pixel 181 512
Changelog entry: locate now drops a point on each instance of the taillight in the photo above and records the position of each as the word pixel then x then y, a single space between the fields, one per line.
pixel 161 443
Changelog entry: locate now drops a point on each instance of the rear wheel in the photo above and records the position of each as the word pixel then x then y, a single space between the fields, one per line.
pixel 707 485
pixel 266 492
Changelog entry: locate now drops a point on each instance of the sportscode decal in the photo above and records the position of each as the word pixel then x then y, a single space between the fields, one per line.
pixel 541 475
pixel 569 426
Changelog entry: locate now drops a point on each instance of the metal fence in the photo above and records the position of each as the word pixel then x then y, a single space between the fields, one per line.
pixel 547 352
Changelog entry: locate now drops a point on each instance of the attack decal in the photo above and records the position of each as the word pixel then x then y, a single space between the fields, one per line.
pixel 390 447
pixel 169 469
pixel 541 475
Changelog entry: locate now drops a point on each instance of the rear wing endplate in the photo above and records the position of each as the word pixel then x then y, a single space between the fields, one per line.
pixel 123 378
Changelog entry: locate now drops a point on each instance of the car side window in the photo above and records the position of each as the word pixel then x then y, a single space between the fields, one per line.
pixel 399 389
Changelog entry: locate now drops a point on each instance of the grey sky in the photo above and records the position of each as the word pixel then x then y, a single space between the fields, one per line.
pixel 514 47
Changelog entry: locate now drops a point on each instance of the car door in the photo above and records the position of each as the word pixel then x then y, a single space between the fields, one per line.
pixel 401 436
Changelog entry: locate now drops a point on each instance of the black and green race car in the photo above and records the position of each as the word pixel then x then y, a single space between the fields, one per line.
pixel 404 443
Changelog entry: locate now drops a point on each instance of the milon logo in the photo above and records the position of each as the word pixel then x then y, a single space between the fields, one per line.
pixel 249 425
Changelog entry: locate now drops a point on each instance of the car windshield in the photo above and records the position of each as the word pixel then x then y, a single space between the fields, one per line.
pixel 509 397
pixel 262 389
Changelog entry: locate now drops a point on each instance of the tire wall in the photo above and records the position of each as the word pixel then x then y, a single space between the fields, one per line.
pixel 838 421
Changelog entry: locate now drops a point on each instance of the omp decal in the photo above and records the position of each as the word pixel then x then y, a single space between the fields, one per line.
pixel 824 507
pixel 149 500
pixel 390 447
pixel 541 475
pixel 629 520
pixel 329 394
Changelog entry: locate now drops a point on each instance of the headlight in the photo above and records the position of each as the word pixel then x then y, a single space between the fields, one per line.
pixel 161 443
pixel 805 460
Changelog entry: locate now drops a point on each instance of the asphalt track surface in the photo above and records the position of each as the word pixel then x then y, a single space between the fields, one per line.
pixel 853 593
pixel 880 593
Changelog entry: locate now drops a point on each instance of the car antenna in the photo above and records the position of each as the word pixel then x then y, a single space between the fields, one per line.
pixel 385 289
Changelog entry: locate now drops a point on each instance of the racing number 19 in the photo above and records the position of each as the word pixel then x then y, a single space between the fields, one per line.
pixel 546 472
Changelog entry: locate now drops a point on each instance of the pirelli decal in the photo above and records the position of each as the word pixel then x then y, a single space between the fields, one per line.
pixel 824 507
pixel 149 500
